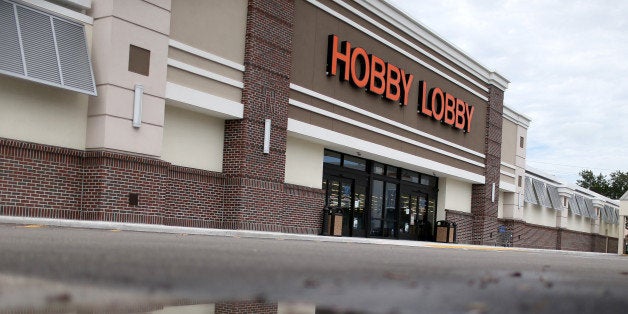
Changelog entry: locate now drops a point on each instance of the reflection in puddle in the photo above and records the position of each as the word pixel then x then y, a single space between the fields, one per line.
pixel 240 307
pixel 252 307
pixel 256 307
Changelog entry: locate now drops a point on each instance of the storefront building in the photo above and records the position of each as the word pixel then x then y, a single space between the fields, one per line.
pixel 259 114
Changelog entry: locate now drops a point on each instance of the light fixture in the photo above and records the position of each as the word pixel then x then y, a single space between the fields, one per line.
pixel 137 106
pixel 267 136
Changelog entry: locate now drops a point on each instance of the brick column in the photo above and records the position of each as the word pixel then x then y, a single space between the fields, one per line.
pixel 483 208
pixel 254 186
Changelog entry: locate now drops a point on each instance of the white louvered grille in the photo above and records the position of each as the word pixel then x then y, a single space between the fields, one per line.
pixel 44 48
pixel 73 55
pixel 590 207
pixel 10 52
pixel 541 193
pixel 573 205
pixel 39 47
pixel 529 196
pixel 582 205
pixel 554 197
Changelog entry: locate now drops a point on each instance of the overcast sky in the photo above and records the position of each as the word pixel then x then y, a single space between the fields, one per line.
pixel 567 63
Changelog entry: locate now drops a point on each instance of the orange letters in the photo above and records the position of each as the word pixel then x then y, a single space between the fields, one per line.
pixel 367 71
pixel 445 107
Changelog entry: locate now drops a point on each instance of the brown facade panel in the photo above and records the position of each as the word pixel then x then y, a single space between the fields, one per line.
pixel 350 14
pixel 386 140
pixel 406 47
pixel 310 59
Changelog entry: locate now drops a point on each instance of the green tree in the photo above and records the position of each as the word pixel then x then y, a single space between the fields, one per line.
pixel 618 184
pixel 612 187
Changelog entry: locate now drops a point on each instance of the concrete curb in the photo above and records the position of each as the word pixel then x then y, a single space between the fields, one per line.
pixel 107 225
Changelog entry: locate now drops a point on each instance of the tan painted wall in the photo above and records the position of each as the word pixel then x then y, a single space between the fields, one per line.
pixel 500 205
pixel 42 114
pixel 509 142
pixel 215 26
pixel 539 215
pixel 304 163
pixel 578 223
pixel 453 195
pixel 608 229
pixel 193 140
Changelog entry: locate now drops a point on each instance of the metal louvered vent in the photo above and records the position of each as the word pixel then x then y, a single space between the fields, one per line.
pixel 44 48
pixel 590 207
pixel 573 205
pixel 10 51
pixel 541 193
pixel 582 205
pixel 609 215
pixel 529 196
pixel 554 197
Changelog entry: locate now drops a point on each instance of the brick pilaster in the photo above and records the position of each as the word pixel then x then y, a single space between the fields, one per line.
pixel 484 209
pixel 254 190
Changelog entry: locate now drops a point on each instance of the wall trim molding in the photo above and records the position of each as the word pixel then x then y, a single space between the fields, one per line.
pixel 385 154
pixel 206 55
pixel 369 114
pixel 204 73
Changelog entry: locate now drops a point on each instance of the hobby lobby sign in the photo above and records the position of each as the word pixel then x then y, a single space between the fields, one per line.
pixel 364 70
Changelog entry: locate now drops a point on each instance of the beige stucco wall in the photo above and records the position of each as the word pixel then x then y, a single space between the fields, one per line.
pixel 453 195
pixel 510 141
pixel 539 215
pixel 608 229
pixel 117 25
pixel 304 163
pixel 42 114
pixel 215 26
pixel 192 139
pixel 578 223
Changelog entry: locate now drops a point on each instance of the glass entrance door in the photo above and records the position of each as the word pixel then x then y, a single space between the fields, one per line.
pixel 413 220
pixel 349 196
pixel 383 207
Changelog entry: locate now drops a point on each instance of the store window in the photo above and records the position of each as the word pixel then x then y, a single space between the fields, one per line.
pixel 378 168
pixel 410 176
pixel 391 171
pixel 356 163
pixel 380 200
pixel 332 158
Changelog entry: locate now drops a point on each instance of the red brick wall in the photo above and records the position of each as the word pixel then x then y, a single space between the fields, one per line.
pixel 483 208
pixel 603 244
pixel 575 241
pixel 194 198
pixel 531 236
pixel 39 181
pixel 254 191
pixel 111 177
pixel 245 307
pixel 304 210
pixel 464 225
pixel 43 181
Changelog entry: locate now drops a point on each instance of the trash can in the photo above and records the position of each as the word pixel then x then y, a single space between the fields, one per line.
pixel 327 214
pixel 336 223
pixel 445 231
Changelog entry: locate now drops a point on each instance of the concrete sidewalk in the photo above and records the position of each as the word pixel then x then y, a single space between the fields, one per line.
pixel 106 225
